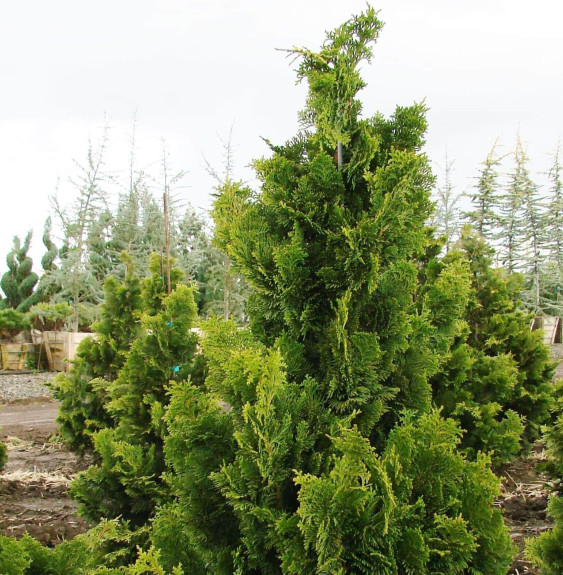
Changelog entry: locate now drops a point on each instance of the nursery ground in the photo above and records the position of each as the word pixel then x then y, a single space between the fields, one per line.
pixel 34 483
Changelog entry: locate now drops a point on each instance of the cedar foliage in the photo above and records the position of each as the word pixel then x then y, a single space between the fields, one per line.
pixel 83 391
pixel 497 380
pixel 100 551
pixel 294 456
pixel 127 481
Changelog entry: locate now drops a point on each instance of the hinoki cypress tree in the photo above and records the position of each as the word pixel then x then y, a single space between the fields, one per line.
pixel 83 392
pixel 497 380
pixel 546 551
pixel 312 447
pixel 126 482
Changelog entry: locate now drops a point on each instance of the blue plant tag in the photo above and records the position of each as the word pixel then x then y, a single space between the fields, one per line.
pixel 176 369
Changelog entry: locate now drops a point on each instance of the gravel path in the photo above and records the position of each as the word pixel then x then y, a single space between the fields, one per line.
pixel 24 386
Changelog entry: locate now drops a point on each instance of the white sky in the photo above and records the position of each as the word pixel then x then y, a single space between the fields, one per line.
pixel 191 69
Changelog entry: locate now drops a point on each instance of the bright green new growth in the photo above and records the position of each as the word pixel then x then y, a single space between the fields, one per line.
pixel 100 551
pixel 295 458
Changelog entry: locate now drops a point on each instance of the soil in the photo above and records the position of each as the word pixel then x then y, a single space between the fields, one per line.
pixel 34 483
pixel 524 494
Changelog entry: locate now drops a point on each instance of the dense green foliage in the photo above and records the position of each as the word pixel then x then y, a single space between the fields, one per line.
pixel 50 316
pixel 83 391
pixel 18 282
pixel 12 322
pixel 3 455
pixel 98 552
pixel 497 381
pixel 127 480
pixel 294 457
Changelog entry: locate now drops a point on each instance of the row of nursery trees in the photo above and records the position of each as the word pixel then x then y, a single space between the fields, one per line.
pixel 521 219
pixel 94 235
pixel 351 427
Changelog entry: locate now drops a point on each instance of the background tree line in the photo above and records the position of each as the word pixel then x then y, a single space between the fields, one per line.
pixel 94 234
pixel 519 218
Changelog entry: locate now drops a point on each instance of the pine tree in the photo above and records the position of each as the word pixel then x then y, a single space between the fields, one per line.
pixel 295 457
pixel 18 282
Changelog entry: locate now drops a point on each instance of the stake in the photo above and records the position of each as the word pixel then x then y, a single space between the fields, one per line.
pixel 167 239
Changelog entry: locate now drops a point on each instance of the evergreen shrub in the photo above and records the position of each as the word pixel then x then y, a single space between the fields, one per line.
pixel 312 446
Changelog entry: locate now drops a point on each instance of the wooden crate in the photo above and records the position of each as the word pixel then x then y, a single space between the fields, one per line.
pixel 14 356
pixel 60 348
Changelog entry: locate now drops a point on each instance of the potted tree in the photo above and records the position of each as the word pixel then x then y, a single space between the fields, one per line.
pixel 13 353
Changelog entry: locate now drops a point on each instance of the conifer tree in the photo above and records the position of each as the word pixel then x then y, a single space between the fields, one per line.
pixel 78 282
pixel 295 457
pixel 485 198
pixel 18 282
pixel 554 219
pixel 522 226
pixel 552 270
pixel 497 380
pixel 127 480
pixel 446 216
pixel 533 232
pixel 546 551
pixel 83 392
pixel 46 288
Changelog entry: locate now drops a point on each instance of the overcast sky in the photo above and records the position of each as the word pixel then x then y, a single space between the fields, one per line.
pixel 190 69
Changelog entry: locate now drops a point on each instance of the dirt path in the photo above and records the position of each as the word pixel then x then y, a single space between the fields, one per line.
pixel 524 494
pixel 34 483
pixel 28 420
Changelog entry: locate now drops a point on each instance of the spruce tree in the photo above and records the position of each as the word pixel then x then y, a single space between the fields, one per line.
pixel 312 447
